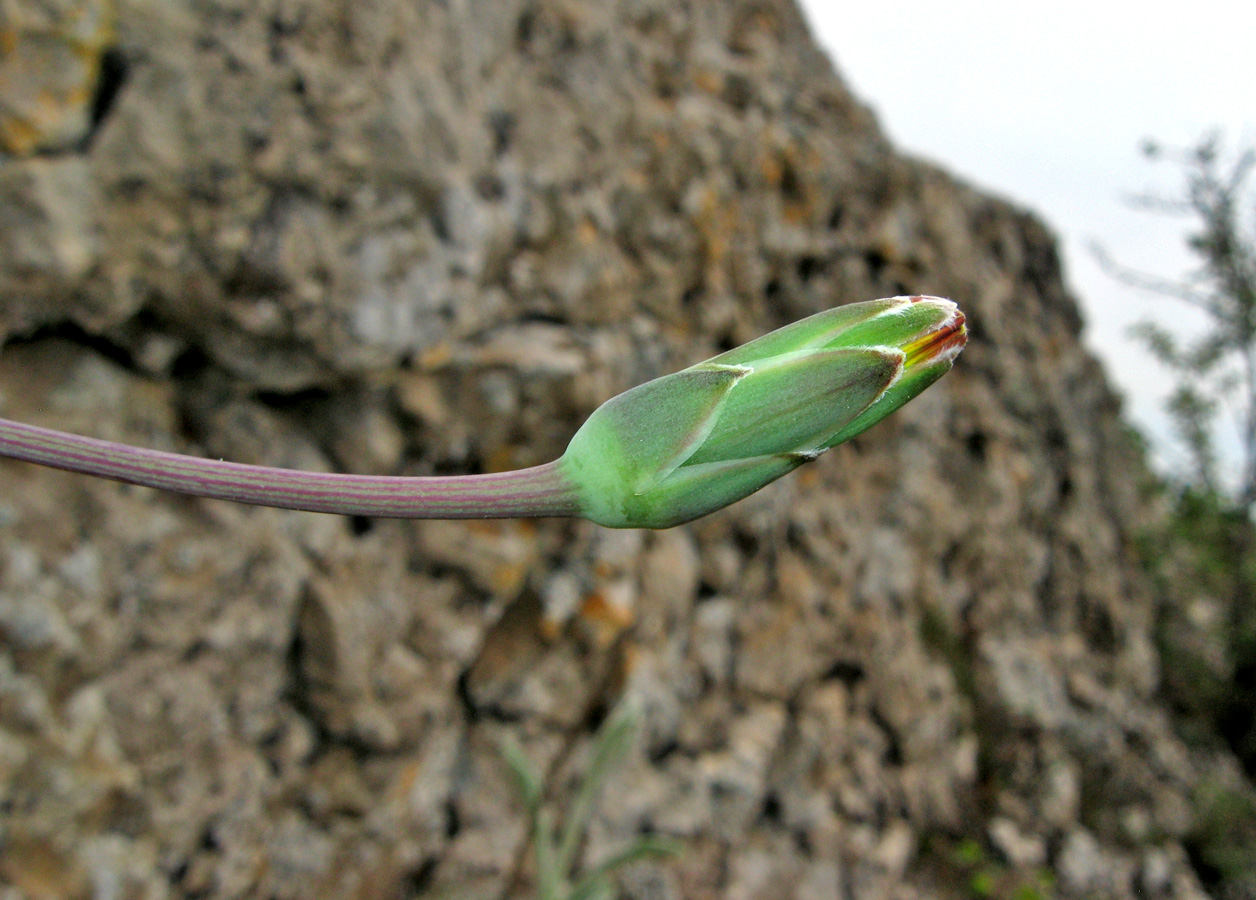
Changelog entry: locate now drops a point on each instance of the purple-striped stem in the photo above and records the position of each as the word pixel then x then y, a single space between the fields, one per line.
pixel 539 491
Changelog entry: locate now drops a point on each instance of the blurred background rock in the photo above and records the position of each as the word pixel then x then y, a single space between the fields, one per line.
pixel 415 237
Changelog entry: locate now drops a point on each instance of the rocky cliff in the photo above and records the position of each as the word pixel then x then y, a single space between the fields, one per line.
pixel 386 236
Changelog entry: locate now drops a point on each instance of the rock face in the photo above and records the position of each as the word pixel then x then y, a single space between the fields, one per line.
pixel 391 236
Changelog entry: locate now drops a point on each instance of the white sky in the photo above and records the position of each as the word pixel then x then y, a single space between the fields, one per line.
pixel 1046 104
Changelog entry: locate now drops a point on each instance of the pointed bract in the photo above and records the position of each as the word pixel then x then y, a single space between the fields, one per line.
pixel 899 326
pixel 690 492
pixel 642 435
pixel 811 333
pixel 793 402
pixel 906 388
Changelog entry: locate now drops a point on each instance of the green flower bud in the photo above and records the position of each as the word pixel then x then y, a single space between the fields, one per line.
pixel 687 444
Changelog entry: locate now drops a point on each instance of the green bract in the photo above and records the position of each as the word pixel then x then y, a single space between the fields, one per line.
pixel 687 444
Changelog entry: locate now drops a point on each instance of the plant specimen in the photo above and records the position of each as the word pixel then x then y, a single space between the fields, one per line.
pixel 663 453
pixel 554 844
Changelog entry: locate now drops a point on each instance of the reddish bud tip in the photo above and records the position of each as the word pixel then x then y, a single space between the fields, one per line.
pixel 944 342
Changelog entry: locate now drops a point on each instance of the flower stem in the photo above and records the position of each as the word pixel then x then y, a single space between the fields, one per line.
pixel 538 491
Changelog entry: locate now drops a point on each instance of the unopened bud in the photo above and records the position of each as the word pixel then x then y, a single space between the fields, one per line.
pixel 687 444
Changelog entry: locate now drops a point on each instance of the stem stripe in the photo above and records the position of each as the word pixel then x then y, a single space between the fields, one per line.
pixel 538 491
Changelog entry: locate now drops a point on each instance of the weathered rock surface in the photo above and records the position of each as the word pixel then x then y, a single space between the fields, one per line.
pixel 394 236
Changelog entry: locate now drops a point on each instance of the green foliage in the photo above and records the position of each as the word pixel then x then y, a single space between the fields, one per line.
pixel 982 883
pixel 1217 369
pixel 555 843
pixel 1223 843
pixel 1206 553
pixel 967 865
pixel 969 853
pixel 1205 557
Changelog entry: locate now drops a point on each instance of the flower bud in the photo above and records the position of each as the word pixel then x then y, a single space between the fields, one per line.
pixel 687 444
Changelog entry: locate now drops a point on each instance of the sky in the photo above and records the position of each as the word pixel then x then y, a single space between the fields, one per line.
pixel 1047 105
